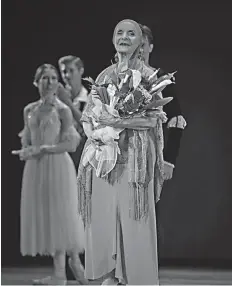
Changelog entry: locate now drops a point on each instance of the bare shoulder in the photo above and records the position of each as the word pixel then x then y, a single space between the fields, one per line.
pixel 31 106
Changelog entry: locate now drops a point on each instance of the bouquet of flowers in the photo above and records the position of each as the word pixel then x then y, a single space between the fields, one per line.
pixel 134 96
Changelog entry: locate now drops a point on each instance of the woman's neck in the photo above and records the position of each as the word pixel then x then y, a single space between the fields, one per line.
pixel 124 61
pixel 48 98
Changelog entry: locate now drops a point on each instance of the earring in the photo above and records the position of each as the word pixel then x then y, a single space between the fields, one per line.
pixel 141 53
pixel 115 59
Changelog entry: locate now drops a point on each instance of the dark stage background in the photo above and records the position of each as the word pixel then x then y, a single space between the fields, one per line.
pixel 195 211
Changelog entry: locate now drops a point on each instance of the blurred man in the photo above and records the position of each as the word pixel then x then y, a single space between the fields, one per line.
pixel 75 96
pixel 173 128
pixel 176 122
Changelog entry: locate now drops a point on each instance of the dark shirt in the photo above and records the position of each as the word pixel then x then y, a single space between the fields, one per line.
pixel 172 135
pixel 80 102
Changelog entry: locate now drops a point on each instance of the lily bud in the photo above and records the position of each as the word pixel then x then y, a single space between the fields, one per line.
pixel 162 84
pixel 137 77
pixel 126 78
pixel 153 75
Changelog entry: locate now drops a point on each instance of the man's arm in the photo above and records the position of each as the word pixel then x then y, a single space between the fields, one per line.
pixel 175 124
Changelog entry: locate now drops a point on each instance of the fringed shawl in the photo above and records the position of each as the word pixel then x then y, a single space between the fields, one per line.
pixel 135 156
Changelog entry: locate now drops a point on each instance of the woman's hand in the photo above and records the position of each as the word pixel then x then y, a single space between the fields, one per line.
pixel 107 122
pixel 157 114
pixel 46 149
pixel 139 123
pixel 19 153
pixel 168 171
pixel 28 153
pixel 97 142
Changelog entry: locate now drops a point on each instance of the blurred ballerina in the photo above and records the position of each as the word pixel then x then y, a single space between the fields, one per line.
pixel 49 190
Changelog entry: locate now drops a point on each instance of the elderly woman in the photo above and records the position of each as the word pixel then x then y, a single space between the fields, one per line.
pixel 49 191
pixel 119 209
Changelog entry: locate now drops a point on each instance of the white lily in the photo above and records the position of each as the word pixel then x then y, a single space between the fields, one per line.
pixel 125 78
pixel 111 89
pixel 153 75
pixel 137 77
pixel 172 74
pixel 162 84
pixel 123 81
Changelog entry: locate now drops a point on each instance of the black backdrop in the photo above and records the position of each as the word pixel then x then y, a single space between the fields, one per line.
pixel 196 207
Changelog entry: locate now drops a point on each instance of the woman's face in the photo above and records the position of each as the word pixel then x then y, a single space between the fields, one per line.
pixel 126 38
pixel 48 83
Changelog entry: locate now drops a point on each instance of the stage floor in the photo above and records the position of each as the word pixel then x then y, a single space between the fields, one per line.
pixel 24 276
